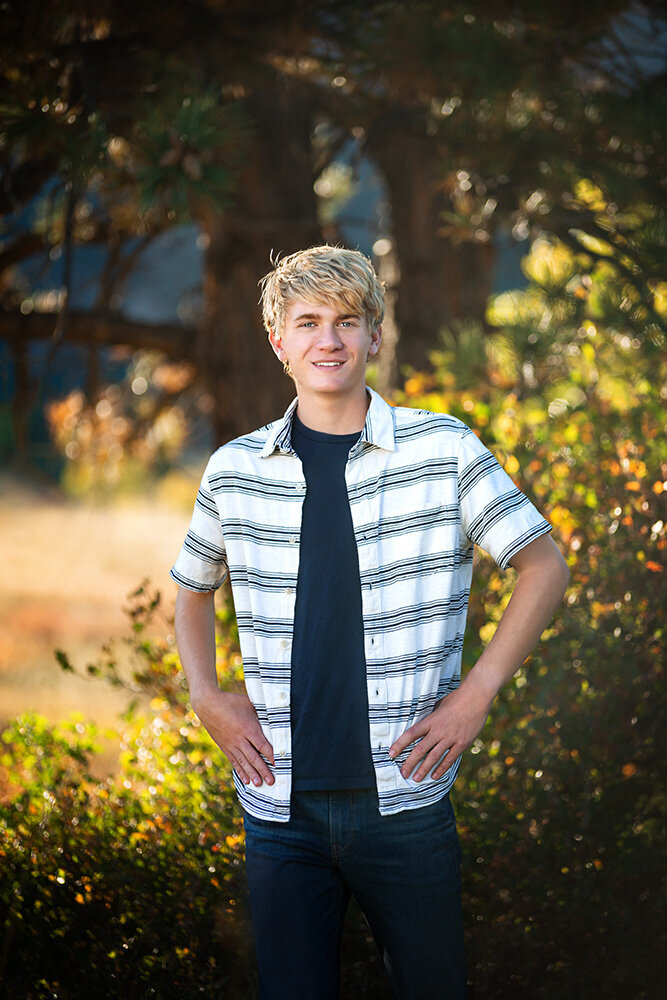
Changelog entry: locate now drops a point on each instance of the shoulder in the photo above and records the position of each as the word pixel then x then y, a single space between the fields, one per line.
pixel 411 425
pixel 241 451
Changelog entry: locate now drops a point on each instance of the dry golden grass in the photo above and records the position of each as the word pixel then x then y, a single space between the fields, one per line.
pixel 68 568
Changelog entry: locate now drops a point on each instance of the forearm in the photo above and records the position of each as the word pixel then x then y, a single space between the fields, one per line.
pixel 537 594
pixel 229 717
pixel 446 732
pixel 195 637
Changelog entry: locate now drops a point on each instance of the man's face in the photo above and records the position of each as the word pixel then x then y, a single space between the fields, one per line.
pixel 327 348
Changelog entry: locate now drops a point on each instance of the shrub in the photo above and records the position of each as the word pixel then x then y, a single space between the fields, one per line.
pixel 127 887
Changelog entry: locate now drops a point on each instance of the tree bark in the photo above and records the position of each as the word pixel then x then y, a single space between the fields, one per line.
pixel 440 282
pixel 23 397
pixel 275 211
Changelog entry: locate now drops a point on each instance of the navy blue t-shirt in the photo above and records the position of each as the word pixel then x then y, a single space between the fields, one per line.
pixel 330 735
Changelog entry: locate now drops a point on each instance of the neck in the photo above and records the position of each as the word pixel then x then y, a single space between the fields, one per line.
pixel 334 415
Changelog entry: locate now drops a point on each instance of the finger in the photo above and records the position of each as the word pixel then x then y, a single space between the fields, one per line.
pixel 252 734
pixel 256 760
pixel 430 761
pixel 253 775
pixel 238 767
pixel 266 750
pixel 404 740
pixel 414 758
pixel 449 761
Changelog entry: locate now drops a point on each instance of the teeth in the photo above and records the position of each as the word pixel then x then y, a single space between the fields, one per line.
pixel 328 364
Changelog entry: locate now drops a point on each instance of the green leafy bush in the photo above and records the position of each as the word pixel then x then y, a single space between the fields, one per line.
pixel 128 886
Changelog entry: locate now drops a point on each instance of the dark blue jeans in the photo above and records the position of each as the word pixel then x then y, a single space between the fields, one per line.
pixel 404 871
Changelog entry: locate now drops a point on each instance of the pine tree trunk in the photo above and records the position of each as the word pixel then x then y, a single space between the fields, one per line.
pixel 274 211
pixel 440 282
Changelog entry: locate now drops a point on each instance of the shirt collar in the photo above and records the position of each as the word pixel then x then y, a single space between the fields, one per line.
pixel 378 429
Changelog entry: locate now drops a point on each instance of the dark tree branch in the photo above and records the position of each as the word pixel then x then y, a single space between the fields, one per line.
pixel 23 397
pixel 118 269
pixel 105 329
pixel 24 246
pixel 64 311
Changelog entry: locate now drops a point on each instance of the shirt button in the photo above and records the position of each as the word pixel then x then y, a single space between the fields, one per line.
pixel 284 644
pixel 293 540
pixel 288 590
pixel 282 696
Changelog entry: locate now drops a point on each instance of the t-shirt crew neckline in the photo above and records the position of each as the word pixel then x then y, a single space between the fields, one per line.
pixel 323 435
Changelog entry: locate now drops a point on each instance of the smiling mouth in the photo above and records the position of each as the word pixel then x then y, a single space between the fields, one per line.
pixel 328 364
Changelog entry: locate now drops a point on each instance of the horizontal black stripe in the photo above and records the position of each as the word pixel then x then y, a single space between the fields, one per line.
pixel 189 584
pixel 251 443
pixel 419 661
pixel 421 520
pixel 520 543
pixel 237 483
pixel 419 566
pixel 274 627
pixel 264 806
pixel 261 534
pixel 204 550
pixel 415 614
pixel 500 508
pixel 438 469
pixel 206 503
pixel 429 423
pixel 266 582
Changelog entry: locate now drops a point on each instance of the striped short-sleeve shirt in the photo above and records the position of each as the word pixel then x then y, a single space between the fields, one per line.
pixel 423 490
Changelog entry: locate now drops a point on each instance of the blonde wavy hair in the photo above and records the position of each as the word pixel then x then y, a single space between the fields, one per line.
pixel 323 275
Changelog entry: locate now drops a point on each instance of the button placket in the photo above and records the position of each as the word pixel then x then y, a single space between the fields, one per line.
pixel 375 601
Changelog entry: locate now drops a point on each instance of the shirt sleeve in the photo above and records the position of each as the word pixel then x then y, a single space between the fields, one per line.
pixel 495 514
pixel 202 562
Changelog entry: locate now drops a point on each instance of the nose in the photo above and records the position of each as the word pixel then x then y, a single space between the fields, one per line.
pixel 328 338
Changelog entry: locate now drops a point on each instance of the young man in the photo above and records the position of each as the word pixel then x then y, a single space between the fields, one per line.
pixel 347 528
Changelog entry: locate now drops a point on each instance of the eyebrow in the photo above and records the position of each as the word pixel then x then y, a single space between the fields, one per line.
pixel 319 316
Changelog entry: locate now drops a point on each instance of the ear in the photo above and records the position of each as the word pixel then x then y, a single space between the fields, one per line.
pixel 376 339
pixel 277 345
